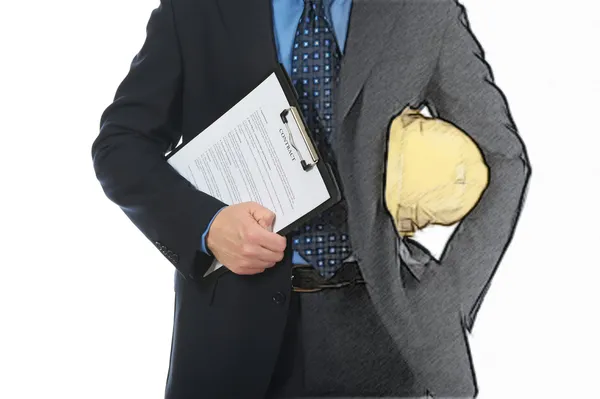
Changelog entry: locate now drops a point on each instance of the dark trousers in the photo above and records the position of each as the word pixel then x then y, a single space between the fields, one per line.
pixel 335 346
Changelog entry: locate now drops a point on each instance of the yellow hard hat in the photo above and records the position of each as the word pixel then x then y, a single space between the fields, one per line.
pixel 435 172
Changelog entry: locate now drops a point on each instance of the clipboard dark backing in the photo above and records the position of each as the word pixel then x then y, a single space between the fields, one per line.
pixel 324 168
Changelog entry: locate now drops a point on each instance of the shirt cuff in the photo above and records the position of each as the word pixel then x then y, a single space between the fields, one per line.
pixel 203 246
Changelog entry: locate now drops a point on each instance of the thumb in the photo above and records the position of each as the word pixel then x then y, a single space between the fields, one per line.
pixel 263 216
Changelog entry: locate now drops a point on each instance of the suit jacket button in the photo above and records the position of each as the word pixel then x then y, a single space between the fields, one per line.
pixel 279 298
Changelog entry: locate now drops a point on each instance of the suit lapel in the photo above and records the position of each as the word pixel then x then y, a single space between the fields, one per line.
pixel 249 24
pixel 371 23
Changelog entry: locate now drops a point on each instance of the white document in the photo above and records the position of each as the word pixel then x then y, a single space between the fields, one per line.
pixel 246 155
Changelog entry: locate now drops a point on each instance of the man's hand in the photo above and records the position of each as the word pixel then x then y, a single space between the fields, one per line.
pixel 241 238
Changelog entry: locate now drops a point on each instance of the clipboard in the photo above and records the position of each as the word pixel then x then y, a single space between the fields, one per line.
pixel 302 141
pixel 295 116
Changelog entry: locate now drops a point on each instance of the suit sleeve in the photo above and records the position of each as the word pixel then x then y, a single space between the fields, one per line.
pixel 462 91
pixel 136 131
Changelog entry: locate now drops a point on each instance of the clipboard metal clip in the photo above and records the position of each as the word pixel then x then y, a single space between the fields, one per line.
pixel 307 141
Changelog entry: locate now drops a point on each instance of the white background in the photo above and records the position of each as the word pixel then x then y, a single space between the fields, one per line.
pixel 86 301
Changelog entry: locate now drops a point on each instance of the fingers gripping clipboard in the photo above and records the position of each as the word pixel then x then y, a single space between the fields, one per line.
pixel 261 150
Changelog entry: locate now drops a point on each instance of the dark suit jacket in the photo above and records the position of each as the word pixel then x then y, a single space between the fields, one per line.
pixel 199 59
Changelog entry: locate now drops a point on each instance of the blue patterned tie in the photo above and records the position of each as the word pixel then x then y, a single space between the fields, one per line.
pixel 316 58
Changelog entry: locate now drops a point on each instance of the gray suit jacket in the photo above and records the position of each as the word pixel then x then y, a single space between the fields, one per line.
pixel 419 53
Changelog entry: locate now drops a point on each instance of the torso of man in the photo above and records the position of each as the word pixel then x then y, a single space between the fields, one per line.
pixel 198 60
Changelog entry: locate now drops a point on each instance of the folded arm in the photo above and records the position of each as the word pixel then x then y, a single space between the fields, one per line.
pixel 136 130
pixel 462 91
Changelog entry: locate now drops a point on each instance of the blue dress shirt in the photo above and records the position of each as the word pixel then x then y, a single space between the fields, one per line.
pixel 286 15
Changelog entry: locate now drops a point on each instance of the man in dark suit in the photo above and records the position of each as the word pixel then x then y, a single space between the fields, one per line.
pixel 272 326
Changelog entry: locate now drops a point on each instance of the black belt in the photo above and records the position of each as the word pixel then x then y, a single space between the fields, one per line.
pixel 305 278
